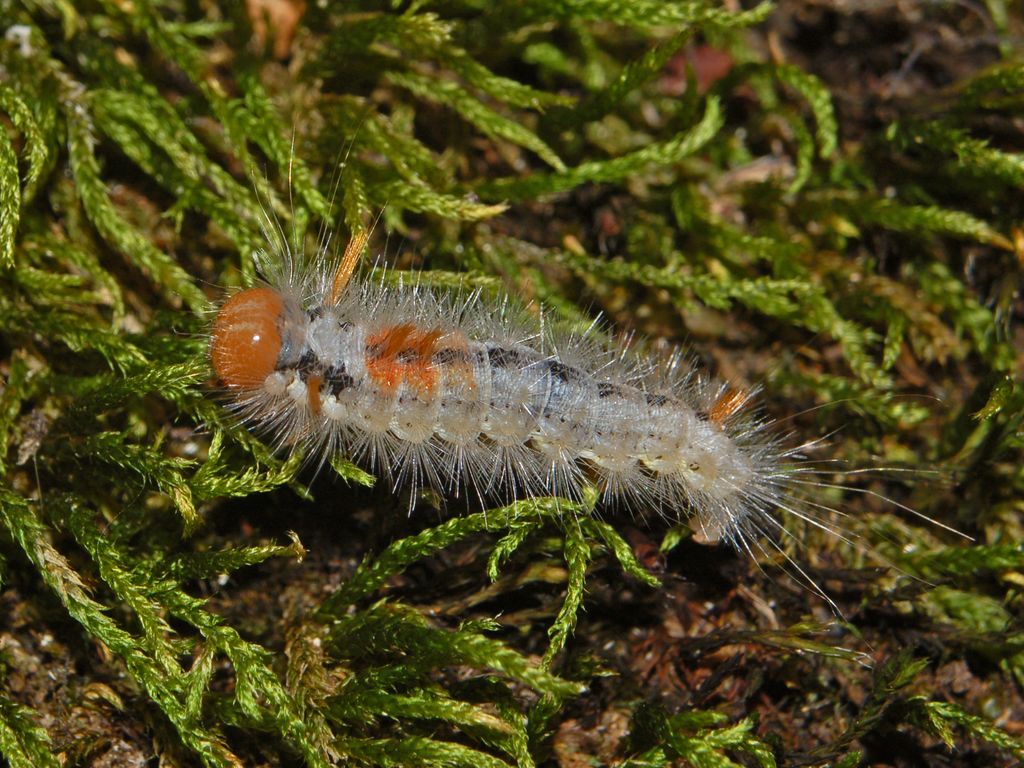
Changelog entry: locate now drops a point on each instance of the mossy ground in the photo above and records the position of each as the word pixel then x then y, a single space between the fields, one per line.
pixel 823 198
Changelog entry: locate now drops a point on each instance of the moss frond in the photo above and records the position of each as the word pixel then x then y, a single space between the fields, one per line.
pixel 843 233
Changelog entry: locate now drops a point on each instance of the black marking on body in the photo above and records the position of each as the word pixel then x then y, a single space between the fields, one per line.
pixel 564 372
pixel 506 357
pixel 309 364
pixel 604 389
pixel 449 355
pixel 655 400
pixel 481 359
pixel 337 380
pixel 407 355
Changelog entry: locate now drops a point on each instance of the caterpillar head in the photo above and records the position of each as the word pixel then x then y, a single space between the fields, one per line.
pixel 246 340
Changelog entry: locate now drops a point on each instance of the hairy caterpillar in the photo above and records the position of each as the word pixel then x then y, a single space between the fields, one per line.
pixel 430 388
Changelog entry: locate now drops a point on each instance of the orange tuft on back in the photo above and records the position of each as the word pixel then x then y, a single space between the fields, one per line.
pixel 246 340
pixel 729 403
pixel 402 353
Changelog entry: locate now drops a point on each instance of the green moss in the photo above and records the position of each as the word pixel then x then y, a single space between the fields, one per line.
pixel 577 153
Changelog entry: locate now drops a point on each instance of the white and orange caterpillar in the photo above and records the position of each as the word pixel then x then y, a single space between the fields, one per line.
pixel 429 388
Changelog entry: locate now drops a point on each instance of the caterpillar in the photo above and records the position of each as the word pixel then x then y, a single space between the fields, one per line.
pixel 444 390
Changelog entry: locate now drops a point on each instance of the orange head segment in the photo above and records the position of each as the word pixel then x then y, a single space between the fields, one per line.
pixel 246 338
